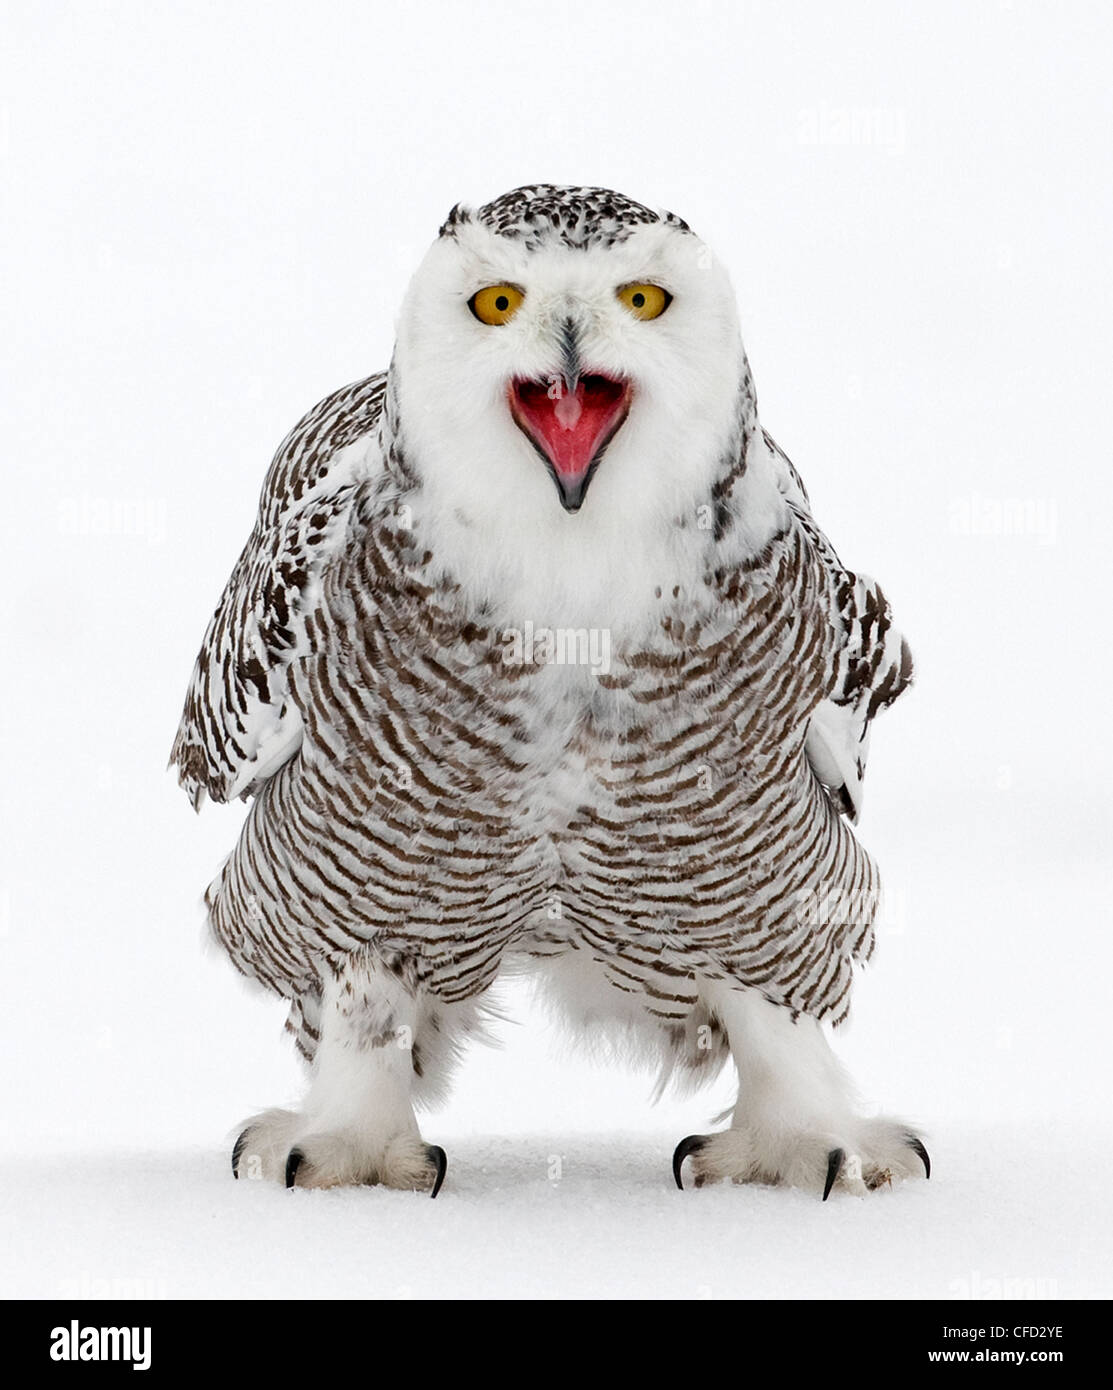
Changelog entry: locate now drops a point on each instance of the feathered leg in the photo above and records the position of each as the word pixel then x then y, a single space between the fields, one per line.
pixel 795 1122
pixel 357 1124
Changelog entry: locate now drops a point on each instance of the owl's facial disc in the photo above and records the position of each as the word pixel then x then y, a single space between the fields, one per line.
pixel 570 420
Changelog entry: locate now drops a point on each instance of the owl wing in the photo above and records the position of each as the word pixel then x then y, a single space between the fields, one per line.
pixel 872 661
pixel 237 726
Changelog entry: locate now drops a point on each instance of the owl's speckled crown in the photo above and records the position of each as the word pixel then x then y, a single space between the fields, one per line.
pixel 539 213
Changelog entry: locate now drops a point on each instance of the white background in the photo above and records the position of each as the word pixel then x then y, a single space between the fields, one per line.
pixel 210 213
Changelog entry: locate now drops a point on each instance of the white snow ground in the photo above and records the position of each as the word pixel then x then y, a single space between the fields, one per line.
pixel 1009 1216
pixel 208 225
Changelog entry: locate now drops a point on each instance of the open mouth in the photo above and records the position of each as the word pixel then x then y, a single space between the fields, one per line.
pixel 570 429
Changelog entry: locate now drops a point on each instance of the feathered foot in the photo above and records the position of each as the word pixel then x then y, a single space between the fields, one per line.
pixel 357 1125
pixel 868 1155
pixel 796 1122
pixel 280 1146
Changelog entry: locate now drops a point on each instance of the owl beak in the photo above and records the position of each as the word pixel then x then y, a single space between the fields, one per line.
pixel 570 419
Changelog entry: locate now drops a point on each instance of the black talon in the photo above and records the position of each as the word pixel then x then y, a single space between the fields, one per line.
pixel 237 1151
pixel 439 1159
pixel 294 1159
pixel 683 1150
pixel 835 1160
pixel 922 1153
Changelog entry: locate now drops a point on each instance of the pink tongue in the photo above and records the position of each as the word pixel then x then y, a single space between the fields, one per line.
pixel 571 427
pixel 568 411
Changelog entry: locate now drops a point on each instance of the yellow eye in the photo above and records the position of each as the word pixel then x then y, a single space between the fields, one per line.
pixel 496 304
pixel 645 301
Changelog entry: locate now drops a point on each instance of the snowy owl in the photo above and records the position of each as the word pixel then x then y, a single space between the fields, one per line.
pixel 536 661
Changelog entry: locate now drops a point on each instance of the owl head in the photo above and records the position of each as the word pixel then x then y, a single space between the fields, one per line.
pixel 569 382
pixel 564 340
